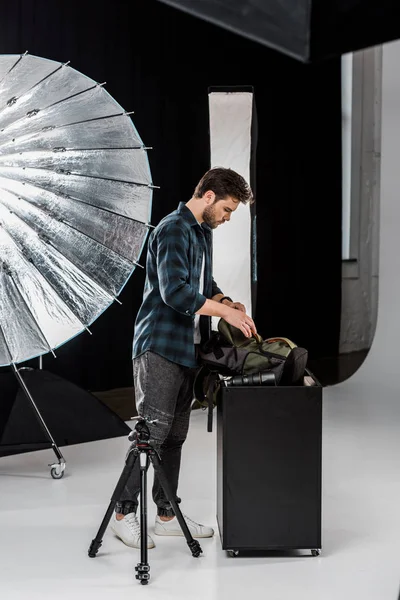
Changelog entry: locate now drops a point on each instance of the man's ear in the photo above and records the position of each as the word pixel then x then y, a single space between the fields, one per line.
pixel 209 197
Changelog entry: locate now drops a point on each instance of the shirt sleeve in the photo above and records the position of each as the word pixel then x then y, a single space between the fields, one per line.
pixel 174 270
pixel 215 289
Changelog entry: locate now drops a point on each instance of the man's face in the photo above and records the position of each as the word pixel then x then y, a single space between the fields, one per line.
pixel 219 211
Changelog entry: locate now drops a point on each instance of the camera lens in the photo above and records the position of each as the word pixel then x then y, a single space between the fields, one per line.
pixel 265 378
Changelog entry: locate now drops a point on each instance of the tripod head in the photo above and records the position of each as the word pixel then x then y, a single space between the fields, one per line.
pixel 141 433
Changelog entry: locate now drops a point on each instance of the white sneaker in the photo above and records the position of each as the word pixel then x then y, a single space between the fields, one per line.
pixel 172 527
pixel 128 530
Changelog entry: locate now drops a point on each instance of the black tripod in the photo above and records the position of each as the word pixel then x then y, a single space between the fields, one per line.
pixel 140 438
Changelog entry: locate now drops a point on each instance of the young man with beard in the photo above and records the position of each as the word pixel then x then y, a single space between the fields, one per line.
pixel 180 296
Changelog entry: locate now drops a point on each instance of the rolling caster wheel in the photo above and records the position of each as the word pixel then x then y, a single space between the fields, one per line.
pixel 315 552
pixel 233 553
pixel 56 473
pixel 57 469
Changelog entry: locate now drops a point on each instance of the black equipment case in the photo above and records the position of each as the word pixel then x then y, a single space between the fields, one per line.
pixel 269 468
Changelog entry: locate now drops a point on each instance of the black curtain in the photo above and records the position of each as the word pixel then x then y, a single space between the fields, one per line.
pixel 160 63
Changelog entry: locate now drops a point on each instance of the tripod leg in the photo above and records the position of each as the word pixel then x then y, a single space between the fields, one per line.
pixel 129 464
pixel 192 543
pixel 57 469
pixel 143 569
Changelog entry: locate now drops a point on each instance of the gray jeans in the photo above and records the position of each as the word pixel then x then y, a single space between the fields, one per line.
pixel 164 393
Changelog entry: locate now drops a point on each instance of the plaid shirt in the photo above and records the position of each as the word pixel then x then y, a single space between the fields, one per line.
pixel 171 297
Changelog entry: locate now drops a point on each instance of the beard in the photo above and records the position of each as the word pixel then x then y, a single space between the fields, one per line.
pixel 209 216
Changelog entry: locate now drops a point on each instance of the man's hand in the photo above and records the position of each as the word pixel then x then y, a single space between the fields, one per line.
pixel 240 320
pixel 236 305
pixel 234 313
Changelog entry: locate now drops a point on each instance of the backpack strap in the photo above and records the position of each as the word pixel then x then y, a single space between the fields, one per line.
pixel 282 339
pixel 206 386
pixel 212 388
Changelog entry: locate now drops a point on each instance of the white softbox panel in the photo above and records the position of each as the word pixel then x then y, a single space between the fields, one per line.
pixel 230 140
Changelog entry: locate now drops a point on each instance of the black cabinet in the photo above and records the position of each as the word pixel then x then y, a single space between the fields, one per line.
pixel 269 468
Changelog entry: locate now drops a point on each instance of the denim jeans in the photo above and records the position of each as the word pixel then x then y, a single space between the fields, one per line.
pixel 164 394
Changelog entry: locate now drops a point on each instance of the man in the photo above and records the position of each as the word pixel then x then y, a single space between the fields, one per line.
pixel 180 296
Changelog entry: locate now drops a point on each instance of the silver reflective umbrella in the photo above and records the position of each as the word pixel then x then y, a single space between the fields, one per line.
pixel 75 201
pixel 75 204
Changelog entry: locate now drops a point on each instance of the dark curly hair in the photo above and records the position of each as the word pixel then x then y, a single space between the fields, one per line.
pixel 224 182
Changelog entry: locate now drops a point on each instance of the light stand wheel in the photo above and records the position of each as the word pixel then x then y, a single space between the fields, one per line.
pixel 55 474
pixel 57 470
pixel 233 553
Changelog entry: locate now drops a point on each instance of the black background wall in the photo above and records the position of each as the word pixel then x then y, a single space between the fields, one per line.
pixel 160 62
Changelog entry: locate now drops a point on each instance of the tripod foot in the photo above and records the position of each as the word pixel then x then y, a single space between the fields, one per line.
pixel 94 548
pixel 195 548
pixel 143 573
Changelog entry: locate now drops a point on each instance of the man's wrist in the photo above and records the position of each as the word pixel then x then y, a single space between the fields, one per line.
pixel 214 308
pixel 224 310
pixel 225 300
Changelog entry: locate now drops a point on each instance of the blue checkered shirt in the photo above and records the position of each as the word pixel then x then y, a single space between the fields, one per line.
pixel 171 297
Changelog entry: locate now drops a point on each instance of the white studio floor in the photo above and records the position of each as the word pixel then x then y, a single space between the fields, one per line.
pixel 46 525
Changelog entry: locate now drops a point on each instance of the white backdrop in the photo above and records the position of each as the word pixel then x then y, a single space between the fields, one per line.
pixel 361 433
pixel 230 139
pixel 382 366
